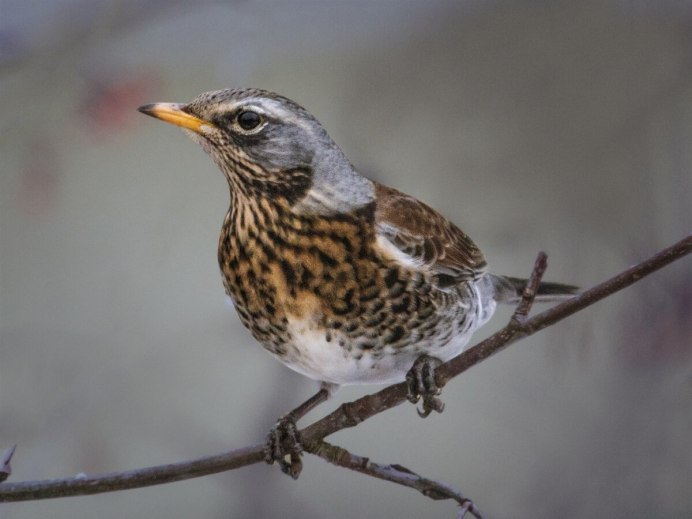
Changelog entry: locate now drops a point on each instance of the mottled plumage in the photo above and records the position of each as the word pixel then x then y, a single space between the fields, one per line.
pixel 343 279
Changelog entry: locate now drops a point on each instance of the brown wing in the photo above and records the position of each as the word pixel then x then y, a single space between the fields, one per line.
pixel 426 237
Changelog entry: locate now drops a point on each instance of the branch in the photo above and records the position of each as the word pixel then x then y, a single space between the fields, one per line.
pixel 82 484
pixel 395 473
pixel 348 414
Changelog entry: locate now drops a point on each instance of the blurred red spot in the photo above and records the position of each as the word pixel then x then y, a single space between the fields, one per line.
pixel 110 104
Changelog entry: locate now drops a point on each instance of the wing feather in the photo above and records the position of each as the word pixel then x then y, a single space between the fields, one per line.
pixel 426 238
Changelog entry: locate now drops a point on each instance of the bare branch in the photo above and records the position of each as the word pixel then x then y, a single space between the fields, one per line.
pixel 82 484
pixel 395 473
pixel 349 414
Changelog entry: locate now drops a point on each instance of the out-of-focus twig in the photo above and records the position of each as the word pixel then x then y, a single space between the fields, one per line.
pixel 5 467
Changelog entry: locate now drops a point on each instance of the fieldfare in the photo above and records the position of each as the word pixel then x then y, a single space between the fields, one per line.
pixel 343 279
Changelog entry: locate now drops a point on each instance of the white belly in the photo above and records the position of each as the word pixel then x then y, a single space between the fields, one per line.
pixel 312 355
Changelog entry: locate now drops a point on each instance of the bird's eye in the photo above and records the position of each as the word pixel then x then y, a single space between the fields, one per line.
pixel 249 120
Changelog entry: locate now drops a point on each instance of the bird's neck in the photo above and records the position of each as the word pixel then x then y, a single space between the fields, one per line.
pixel 336 187
pixel 271 218
pixel 327 188
pixel 251 212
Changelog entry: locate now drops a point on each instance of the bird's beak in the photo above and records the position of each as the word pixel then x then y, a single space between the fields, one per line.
pixel 174 113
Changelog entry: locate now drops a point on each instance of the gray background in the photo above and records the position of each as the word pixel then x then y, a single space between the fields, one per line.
pixel 562 126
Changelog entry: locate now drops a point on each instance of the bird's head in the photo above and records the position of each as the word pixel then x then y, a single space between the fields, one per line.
pixel 268 145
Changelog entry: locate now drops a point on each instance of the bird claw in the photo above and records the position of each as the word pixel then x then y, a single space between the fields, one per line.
pixel 283 446
pixel 421 383
pixel 430 404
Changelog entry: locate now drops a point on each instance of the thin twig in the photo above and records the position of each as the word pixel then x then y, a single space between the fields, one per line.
pixel 522 310
pixel 395 473
pixel 347 415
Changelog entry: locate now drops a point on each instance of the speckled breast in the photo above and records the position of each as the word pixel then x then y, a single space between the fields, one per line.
pixel 316 293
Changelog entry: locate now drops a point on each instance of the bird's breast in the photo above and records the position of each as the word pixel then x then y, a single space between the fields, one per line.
pixel 320 295
pixel 276 265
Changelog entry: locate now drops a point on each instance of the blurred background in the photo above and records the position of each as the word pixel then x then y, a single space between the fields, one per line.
pixel 544 125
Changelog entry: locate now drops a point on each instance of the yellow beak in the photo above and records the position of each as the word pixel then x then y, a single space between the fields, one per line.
pixel 173 113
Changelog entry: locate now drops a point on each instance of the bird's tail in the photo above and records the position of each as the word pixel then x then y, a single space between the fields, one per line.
pixel 509 290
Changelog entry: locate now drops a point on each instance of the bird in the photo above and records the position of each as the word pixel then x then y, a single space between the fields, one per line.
pixel 343 279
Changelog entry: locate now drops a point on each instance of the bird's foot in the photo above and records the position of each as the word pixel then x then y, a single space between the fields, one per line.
pixel 283 446
pixel 421 383
pixel 283 441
